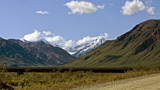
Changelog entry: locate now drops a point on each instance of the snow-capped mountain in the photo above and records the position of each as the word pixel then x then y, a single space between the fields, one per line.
pixel 81 49
pixel 87 47
pixel 75 48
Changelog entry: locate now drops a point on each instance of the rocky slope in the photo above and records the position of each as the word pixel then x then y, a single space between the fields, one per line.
pixel 17 53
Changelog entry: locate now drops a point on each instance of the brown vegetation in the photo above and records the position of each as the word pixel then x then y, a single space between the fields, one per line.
pixel 57 80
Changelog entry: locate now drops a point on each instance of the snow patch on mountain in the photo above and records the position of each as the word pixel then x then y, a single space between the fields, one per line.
pixel 86 47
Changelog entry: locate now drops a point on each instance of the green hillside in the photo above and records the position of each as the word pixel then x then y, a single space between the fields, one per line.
pixel 138 47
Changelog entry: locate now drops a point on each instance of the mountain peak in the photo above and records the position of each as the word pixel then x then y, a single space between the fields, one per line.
pixel 146 33
pixel 145 29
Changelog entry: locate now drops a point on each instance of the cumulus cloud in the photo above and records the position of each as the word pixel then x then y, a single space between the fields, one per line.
pixel 57 40
pixel 89 39
pixel 42 12
pixel 69 44
pixel 53 39
pixel 86 40
pixel 134 6
pixel 150 10
pixel 81 7
pixel 35 36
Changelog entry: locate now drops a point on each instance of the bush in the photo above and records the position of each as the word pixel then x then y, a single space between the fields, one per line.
pixel 66 80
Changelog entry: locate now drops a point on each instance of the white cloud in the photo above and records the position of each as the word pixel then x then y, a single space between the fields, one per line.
pixel 69 44
pixel 35 36
pixel 57 40
pixel 81 7
pixel 89 39
pixel 132 7
pixel 150 10
pixel 86 40
pixel 135 6
pixel 101 6
pixel 47 33
pixel 42 12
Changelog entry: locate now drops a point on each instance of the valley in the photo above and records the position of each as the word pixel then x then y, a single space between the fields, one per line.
pixel 79 44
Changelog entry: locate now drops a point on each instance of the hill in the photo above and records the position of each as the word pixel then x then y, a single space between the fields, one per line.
pixel 15 53
pixel 138 47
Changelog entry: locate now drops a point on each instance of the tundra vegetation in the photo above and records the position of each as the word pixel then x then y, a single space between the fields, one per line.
pixel 57 80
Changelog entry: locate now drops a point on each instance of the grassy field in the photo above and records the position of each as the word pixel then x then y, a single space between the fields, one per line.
pixel 66 80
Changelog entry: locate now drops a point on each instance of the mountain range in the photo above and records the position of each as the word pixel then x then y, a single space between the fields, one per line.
pixel 138 47
pixel 80 49
pixel 16 53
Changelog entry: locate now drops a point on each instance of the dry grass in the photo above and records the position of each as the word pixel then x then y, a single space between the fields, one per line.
pixel 66 80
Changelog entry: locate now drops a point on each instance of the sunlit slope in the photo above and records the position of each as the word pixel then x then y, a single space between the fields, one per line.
pixel 138 47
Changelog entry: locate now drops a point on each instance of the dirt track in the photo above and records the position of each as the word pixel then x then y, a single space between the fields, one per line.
pixel 149 82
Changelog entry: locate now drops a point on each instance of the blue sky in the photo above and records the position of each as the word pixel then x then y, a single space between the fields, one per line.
pixel 19 17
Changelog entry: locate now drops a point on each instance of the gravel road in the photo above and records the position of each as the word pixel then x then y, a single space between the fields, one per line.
pixel 149 82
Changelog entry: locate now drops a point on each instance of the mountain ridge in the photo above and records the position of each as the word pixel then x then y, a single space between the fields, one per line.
pixel 16 53
pixel 139 46
pixel 78 50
